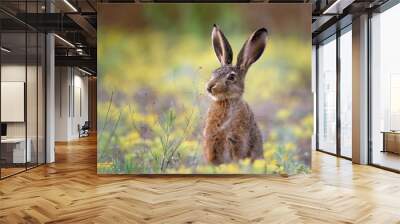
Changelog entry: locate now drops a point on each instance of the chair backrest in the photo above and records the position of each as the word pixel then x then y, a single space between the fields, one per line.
pixel 86 125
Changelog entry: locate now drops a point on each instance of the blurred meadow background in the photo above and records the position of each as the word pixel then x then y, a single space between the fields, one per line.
pixel 154 61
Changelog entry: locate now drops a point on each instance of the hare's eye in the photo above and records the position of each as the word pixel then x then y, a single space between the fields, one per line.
pixel 231 77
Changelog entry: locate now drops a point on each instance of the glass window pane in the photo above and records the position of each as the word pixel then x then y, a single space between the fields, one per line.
pixel 31 97
pixel 346 94
pixel 385 89
pixel 31 88
pixel 22 90
pixel 327 96
pixel 13 86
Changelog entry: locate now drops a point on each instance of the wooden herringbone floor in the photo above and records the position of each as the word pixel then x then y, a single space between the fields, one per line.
pixel 69 191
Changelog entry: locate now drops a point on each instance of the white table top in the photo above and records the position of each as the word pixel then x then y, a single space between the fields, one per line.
pixel 13 140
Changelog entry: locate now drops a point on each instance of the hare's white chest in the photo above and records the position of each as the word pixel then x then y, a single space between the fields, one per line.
pixel 226 123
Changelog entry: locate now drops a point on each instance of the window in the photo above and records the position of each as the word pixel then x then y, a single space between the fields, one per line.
pixel 22 77
pixel 346 93
pixel 385 89
pixel 327 96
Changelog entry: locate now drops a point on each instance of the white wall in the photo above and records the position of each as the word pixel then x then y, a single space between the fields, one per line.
pixel 80 110
pixel 14 73
pixel 62 81
pixel 71 102
pixel 13 101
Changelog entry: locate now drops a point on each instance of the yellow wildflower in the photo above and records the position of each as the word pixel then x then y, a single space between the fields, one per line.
pixel 184 170
pixel 228 168
pixel 283 114
pixel 273 136
pixel 104 165
pixel 290 146
pixel 268 154
pixel 259 165
pixel 245 162
pixel 150 119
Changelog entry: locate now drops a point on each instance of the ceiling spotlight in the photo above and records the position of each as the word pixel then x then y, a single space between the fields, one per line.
pixel 65 41
pixel 79 51
pixel 70 5
pixel 5 50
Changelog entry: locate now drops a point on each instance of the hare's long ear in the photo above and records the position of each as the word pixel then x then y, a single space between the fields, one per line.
pixel 221 46
pixel 252 48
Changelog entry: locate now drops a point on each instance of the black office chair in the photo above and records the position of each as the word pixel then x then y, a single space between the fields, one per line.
pixel 84 130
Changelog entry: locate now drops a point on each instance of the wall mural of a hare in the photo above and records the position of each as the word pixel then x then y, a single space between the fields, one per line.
pixel 231 132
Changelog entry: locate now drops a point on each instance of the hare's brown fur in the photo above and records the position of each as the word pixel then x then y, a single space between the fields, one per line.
pixel 231 132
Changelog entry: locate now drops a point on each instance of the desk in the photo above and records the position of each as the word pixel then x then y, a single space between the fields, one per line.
pixel 391 141
pixel 15 148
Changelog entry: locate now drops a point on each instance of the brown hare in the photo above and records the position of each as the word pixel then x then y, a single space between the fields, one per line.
pixel 231 132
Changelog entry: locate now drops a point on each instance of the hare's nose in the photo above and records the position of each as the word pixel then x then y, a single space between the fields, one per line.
pixel 210 87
